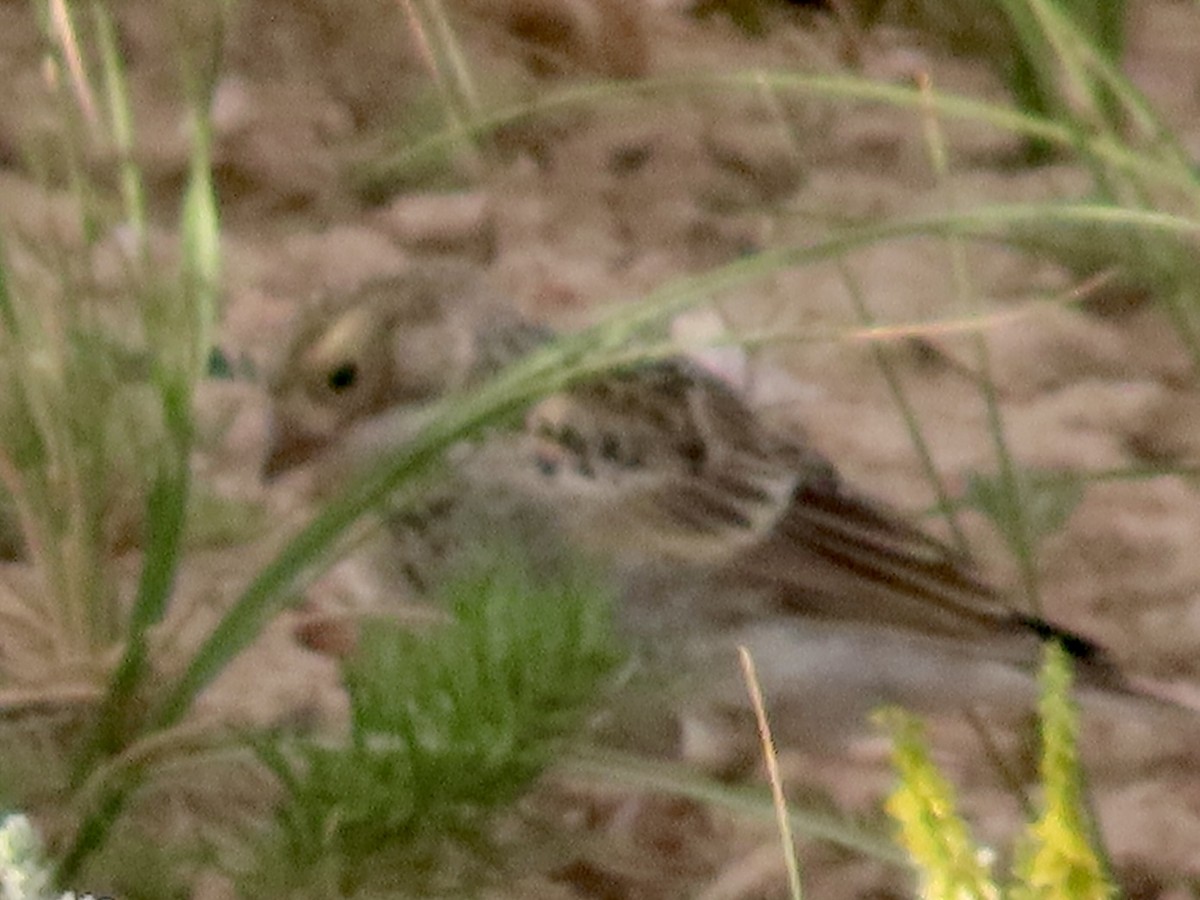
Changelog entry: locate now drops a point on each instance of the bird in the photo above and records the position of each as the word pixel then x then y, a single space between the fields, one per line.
pixel 720 528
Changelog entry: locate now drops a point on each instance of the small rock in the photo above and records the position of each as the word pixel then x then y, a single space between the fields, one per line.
pixel 459 223
pixel 1168 430
pixel 761 155
pixel 566 37
pixel 342 258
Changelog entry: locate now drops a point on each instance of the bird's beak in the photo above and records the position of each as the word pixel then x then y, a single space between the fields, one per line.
pixel 287 448
pixel 356 446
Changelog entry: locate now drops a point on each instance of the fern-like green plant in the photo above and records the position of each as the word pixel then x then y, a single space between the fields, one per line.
pixel 447 728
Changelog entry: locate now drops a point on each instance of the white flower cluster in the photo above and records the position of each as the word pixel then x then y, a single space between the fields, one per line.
pixel 23 874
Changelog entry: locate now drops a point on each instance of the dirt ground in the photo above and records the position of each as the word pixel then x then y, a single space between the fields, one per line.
pixel 604 203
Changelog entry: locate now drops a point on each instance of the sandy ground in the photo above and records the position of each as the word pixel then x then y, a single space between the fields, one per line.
pixel 600 205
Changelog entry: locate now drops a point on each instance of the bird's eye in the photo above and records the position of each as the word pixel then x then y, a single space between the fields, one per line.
pixel 342 377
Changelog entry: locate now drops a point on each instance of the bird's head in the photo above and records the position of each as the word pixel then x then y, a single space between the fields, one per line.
pixel 396 343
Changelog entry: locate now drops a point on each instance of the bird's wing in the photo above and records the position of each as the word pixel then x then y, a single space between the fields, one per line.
pixel 665 460
pixel 834 554
pixel 659 460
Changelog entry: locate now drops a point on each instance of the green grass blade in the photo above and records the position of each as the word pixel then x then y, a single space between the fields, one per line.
pixel 756 803
pixel 121 124
pixel 1108 149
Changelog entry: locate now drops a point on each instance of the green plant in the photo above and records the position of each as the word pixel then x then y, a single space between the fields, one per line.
pixel 1055 857
pixel 98 428
pixel 448 727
